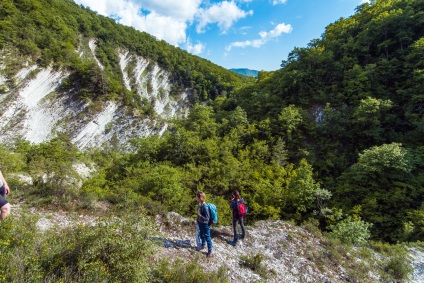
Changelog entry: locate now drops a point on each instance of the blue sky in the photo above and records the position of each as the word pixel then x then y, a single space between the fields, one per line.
pixel 254 34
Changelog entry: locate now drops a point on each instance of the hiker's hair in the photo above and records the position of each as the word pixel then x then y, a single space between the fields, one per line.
pixel 236 194
pixel 201 196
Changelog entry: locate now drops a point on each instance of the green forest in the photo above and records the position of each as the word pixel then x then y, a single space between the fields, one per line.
pixel 334 137
pixel 335 134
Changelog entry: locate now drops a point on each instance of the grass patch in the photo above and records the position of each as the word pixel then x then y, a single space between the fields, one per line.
pixel 254 263
pixel 180 272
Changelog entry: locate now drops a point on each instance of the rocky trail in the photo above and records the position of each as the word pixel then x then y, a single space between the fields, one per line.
pixel 287 253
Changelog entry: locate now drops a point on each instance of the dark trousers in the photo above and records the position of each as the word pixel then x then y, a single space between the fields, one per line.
pixel 243 230
pixel 3 200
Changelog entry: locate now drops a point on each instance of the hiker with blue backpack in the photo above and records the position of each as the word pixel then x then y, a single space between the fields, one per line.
pixel 239 212
pixel 203 221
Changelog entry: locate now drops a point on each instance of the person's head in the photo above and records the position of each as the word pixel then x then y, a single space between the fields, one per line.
pixel 201 196
pixel 236 194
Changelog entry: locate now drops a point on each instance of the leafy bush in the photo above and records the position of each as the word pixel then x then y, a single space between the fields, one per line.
pixel 115 250
pixel 351 231
pixel 19 241
pixel 10 161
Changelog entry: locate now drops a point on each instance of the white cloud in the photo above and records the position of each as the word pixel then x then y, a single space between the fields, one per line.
pixel 196 49
pixel 183 10
pixel 264 37
pixel 224 14
pixel 170 19
pixel 276 2
pixel 365 1
pixel 166 20
pixel 162 27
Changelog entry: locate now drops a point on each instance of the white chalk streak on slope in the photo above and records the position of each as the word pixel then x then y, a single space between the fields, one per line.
pixel 40 123
pixel 44 83
pixel 22 74
pixel 2 80
pixel 93 133
pixel 40 119
pixel 123 62
pixel 8 114
pixel 157 85
pixel 141 65
pixel 92 45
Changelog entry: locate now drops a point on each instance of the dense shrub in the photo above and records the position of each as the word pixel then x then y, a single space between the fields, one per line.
pixel 19 245
pixel 113 250
pixel 351 231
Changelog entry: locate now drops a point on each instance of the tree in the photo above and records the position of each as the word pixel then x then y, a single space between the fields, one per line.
pixel 50 167
pixel 289 118
pixel 202 121
pixel 280 153
pixel 381 183
pixel 165 184
pixel 304 193
pixel 369 117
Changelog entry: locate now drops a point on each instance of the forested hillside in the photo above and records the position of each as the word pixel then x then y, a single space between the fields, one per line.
pixel 51 32
pixel 351 104
pixel 333 138
pixel 332 141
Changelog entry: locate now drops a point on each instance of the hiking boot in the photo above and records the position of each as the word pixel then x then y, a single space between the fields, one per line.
pixel 233 243
pixel 209 254
pixel 201 248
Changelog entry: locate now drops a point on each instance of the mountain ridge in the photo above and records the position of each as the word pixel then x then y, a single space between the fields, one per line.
pixel 245 72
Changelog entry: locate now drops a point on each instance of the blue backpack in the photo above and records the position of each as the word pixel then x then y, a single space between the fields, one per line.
pixel 213 213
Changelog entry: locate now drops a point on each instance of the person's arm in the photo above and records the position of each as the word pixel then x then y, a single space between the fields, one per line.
pixel 6 186
pixel 232 204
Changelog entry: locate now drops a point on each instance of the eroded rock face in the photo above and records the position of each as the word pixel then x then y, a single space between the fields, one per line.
pixel 34 107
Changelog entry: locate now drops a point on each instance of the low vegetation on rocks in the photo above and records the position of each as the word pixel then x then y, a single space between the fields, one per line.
pixel 43 246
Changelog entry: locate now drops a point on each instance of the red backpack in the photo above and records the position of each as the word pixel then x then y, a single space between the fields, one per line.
pixel 240 211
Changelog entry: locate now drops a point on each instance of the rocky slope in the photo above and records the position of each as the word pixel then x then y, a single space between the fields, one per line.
pixel 34 107
pixel 283 252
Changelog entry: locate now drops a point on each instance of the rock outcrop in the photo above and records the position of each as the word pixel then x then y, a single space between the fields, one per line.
pixel 34 106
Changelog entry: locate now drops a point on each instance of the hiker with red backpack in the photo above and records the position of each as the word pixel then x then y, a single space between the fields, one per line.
pixel 239 212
